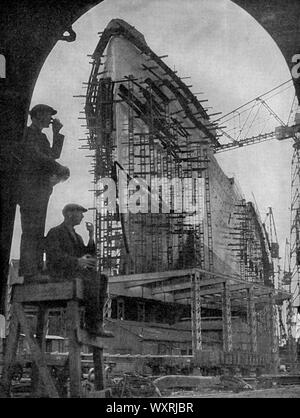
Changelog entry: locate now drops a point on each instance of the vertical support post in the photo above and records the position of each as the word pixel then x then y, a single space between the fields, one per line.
pixel 120 308
pixel 294 251
pixel 251 314
pixel 73 322
pixel 141 311
pixel 208 210
pixel 273 349
pixel 41 331
pixel 196 312
pixel 10 353
pixel 292 347
pixel 98 367
pixel 226 313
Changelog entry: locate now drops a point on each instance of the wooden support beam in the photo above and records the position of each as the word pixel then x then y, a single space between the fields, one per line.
pixel 211 299
pixel 41 329
pixel 144 279
pixel 262 291
pixel 211 282
pixel 38 389
pixel 238 290
pixel 140 279
pixel 213 291
pixel 49 291
pixel 99 368
pixel 37 355
pixel 170 288
pixel 186 285
pixel 73 322
pixel 134 280
pixel 43 296
pixel 10 353
pixel 240 287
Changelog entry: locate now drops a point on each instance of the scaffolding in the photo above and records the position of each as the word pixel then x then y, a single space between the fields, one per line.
pixel 153 139
pixel 247 244
pixel 158 159
pixel 292 280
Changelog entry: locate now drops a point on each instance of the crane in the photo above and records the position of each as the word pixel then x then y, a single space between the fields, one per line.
pixel 271 233
pixel 280 133
pixel 287 274
pixel 253 117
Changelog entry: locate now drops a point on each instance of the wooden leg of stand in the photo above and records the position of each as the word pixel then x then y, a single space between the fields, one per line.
pixel 99 368
pixel 10 353
pixel 38 389
pixel 73 323
pixel 36 353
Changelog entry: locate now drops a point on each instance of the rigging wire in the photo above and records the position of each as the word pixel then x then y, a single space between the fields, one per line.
pixel 263 95
pixel 240 111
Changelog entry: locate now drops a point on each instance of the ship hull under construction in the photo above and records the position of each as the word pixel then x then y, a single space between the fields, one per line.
pixel 171 227
pixel 144 119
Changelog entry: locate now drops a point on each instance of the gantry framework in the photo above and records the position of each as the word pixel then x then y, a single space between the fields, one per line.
pixel 230 295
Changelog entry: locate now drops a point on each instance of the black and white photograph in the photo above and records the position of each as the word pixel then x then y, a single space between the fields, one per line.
pixel 150 201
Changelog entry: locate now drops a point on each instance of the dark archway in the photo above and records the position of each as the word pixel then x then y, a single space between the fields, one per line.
pixel 281 20
pixel 28 32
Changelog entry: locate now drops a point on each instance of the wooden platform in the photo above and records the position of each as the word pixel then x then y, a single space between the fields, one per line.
pixel 49 292
pixel 45 296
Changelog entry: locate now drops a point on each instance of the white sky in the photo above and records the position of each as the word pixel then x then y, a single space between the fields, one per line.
pixel 229 57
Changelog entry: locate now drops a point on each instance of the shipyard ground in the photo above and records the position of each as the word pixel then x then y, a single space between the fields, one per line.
pixel 278 392
pixel 289 388
pixel 292 391
pixel 271 386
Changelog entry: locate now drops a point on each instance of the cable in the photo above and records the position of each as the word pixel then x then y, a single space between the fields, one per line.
pixel 240 107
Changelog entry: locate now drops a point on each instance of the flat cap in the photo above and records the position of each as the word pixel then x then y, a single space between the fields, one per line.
pixel 42 108
pixel 70 207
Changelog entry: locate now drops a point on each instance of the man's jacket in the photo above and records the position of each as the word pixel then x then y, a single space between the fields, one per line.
pixel 38 163
pixel 63 250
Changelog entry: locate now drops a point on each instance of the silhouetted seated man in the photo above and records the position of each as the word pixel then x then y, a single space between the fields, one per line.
pixel 68 258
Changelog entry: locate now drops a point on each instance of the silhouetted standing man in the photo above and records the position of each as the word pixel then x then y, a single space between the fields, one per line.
pixel 39 172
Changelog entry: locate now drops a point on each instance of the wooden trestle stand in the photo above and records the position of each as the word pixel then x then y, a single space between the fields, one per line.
pixel 67 295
